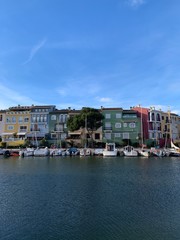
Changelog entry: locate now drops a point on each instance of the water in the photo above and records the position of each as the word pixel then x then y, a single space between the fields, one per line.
pixel 89 198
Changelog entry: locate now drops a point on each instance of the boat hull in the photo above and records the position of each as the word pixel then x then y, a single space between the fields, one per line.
pixel 107 153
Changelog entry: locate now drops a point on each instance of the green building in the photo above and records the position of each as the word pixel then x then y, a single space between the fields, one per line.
pixel 58 131
pixel 121 126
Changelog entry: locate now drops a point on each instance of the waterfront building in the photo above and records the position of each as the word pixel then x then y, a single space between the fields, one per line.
pixel 120 126
pixel 58 126
pixel 174 122
pixel 16 125
pixel 154 119
pixel 142 113
pixel 2 121
pixel 39 127
pixel 137 125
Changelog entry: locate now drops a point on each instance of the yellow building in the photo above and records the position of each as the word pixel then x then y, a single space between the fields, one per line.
pixel 16 125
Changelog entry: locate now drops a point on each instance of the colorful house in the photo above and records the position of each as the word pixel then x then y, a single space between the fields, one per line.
pixel 120 126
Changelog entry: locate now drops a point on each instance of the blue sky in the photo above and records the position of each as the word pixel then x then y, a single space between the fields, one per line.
pixel 76 53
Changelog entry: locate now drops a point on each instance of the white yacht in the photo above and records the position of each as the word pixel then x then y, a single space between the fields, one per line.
pixel 110 150
pixel 129 151
pixel 41 152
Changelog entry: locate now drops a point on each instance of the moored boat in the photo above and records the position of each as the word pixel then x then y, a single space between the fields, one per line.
pixel 41 152
pixel 85 152
pixel 144 153
pixel 110 150
pixel 26 152
pixel 129 151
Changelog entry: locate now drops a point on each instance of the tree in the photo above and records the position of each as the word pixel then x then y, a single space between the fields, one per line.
pixel 89 118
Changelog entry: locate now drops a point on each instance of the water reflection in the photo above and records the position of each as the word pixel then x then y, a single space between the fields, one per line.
pixel 89 198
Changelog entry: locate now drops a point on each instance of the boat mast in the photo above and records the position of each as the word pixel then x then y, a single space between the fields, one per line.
pixel 85 131
pixel 141 128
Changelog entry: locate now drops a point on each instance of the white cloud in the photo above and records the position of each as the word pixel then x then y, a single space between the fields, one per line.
pixel 9 98
pixel 34 50
pixel 104 99
pixel 136 3
pixel 62 92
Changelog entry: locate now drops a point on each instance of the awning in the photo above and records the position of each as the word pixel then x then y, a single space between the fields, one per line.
pixel 32 135
pixel 6 134
pixel 21 133
pixel 75 133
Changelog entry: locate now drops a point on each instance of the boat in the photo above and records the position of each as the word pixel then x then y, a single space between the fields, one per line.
pixel 129 151
pixel 144 153
pixel 2 152
pixel 41 152
pixel 14 153
pixel 158 152
pixel 73 151
pixel 110 150
pixel 98 151
pixel 26 152
pixel 173 151
pixel 55 152
pixel 85 152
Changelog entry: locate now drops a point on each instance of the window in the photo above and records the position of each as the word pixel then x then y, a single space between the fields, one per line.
pixel 53 117
pixel 1 118
pixel 13 119
pixel 34 118
pixel 132 125
pixel 117 135
pixel 118 115
pixel 125 135
pixel 53 136
pixel 23 128
pixel 158 117
pixel 153 117
pixel 108 116
pixel 20 119
pixel 26 119
pixel 59 127
pixel 97 135
pixel 107 135
pixel 10 127
pixel 8 120
pixel 41 118
pixel 124 125
pixel 117 125
pixel 37 118
pixel 108 126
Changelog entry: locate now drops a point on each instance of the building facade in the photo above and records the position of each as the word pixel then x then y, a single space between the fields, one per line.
pixel 58 131
pixel 120 126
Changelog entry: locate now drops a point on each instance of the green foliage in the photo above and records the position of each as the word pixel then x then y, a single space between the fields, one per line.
pixel 126 142
pixel 3 144
pixel 89 117
pixel 44 143
pixel 74 123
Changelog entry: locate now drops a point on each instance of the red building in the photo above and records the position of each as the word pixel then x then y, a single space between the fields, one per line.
pixel 143 114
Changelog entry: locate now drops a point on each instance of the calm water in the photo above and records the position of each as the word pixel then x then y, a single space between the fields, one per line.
pixel 90 198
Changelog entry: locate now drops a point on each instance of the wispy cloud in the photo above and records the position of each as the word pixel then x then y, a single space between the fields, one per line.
pixel 104 99
pixel 10 97
pixel 34 50
pixel 135 3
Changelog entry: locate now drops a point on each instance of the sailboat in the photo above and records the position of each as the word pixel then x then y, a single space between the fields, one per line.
pixel 142 152
pixel 173 150
pixel 85 151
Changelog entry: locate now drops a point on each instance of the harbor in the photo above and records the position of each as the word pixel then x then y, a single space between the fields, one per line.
pixel 89 198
